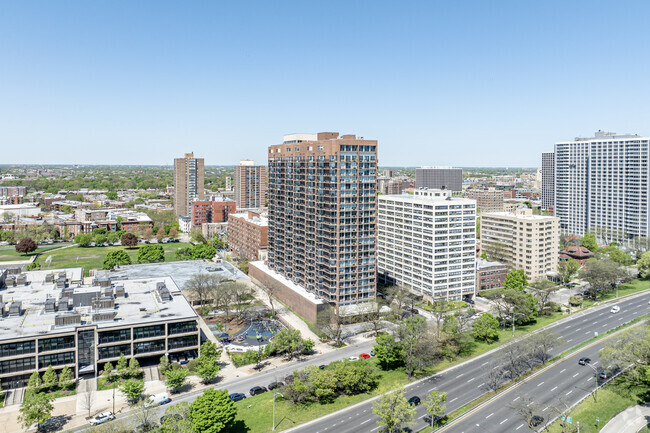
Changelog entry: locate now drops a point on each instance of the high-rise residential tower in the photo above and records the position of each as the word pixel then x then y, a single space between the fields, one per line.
pixel 250 185
pixel 323 214
pixel 548 180
pixel 188 183
pixel 602 185
pixel 439 178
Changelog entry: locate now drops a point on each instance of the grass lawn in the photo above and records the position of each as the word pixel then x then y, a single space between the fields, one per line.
pixel 93 257
pixel 630 288
pixel 612 399
pixel 453 305
pixel 258 418
pixel 9 254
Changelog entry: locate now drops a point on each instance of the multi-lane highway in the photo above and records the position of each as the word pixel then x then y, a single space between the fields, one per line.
pixel 464 383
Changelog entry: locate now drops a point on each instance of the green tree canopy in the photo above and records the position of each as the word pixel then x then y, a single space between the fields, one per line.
pixel 175 378
pixel 202 251
pixel 212 412
pixel 151 254
pixel 26 245
pixel 132 389
pixel 601 274
pixel 589 241
pixel 516 279
pixel 83 239
pixel 393 411
pixel 486 328
pixel 35 409
pixel 389 352
pixel 116 258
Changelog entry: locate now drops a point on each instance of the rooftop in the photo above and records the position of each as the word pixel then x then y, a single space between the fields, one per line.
pixel 425 199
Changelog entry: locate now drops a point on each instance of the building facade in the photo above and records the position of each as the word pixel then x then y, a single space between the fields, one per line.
pixel 248 235
pixel 602 185
pixel 522 240
pixel 427 243
pixel 250 185
pixel 487 200
pixel 323 214
pixel 439 178
pixel 213 211
pixel 189 176
pixel 490 275
pixel 548 180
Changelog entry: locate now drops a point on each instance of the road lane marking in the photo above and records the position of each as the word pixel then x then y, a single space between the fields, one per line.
pixel 503 421
pixel 376 428
pixel 578 329
pixel 569 341
pixel 576 374
pixel 430 390
pixel 544 410
pixel 517 398
pixel 595 363
pixel 453 400
pixel 520 426
pixel 459 375
pixel 588 332
pixel 540 384
pixel 481 384
pixel 489 415
pixel 562 371
pixel 569 392
pixel 485 363
pixel 365 421
pixel 554 389
pixel 590 378
pixel 471 380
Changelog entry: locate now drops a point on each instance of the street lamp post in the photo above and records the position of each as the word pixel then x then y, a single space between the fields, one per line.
pixel 514 315
pixel 596 381
pixel 113 398
pixel 274 394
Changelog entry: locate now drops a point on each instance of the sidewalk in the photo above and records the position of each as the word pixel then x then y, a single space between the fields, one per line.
pixel 631 420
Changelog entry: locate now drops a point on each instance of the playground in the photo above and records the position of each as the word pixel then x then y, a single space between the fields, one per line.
pixel 258 332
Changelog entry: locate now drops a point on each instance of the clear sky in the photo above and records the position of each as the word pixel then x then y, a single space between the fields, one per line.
pixel 465 83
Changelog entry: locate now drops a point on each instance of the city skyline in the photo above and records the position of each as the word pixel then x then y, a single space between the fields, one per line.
pixel 437 84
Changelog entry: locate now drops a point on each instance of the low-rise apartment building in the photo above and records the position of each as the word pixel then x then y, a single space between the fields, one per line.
pixel 522 240
pixel 427 243
pixel 213 211
pixel 487 200
pixel 248 235
pixel 490 275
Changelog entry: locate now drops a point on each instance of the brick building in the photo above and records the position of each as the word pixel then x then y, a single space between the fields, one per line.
pixel 490 275
pixel 214 211
pixel 248 235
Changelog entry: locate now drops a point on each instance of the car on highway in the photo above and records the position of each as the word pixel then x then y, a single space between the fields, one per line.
pixel 353 358
pixel 536 420
pixel 258 390
pixel 584 361
pixel 102 418
pixel 275 385
pixel 236 396
pixel 414 401
pixel 364 356
pixel 615 309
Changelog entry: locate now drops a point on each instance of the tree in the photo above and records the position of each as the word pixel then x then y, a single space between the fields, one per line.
pixel 83 239
pixel 147 234
pixel 542 291
pixel 631 349
pixel 525 406
pixel 145 416
pixel 371 312
pixel 601 274
pixel 411 332
pixel 575 301
pixel 134 368
pixel 486 328
pixel 173 233
pixel 393 411
pixel 163 364
pixel 35 409
pixel 435 404
pixel 203 286
pixel 160 234
pixel 644 264
pixel 196 235
pixel 100 239
pixel 26 245
pixel 116 258
pixel 132 389
pixel 439 309
pixel 87 400
pixel 330 322
pixel 509 301
pixel 151 254
pixel 175 378
pixel 541 343
pixel 111 195
pixel 177 419
pixel 112 237
pixel 213 412
pixel 208 365
pixel 288 342
pixel 129 240
pixel 108 371
pixel 202 251
pixel 516 279
pixel 388 351
pixel 49 378
pixel 122 367
pixel 568 269
pixel 494 376
pixel 34 383
pixel 398 298
pixel 65 377
pixel 589 241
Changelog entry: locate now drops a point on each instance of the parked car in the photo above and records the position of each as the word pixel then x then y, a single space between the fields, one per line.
pixel 536 420
pixel 288 378
pixel 274 385
pixel 102 418
pixel 584 361
pixel 322 366
pixel 157 399
pixel 353 358
pixel 372 353
pixel 615 309
pixel 364 356
pixel 258 390
pixel 171 417
pixel 414 401
pixel 602 375
pixel 236 396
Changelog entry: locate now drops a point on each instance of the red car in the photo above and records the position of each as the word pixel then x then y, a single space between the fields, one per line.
pixel 364 356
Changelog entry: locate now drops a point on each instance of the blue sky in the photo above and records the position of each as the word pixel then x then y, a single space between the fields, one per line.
pixel 484 83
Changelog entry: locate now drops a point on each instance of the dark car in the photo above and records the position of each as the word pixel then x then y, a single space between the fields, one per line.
pixel 536 420
pixel 236 396
pixel 602 375
pixel 414 401
pixel 170 418
pixel 274 385
pixel 258 390
pixel 584 361
pixel 372 353
pixel 322 366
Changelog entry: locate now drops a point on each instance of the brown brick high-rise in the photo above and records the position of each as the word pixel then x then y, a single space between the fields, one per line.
pixel 188 183
pixel 323 214
pixel 250 185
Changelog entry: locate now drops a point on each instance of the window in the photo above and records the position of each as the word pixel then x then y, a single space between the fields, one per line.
pixel 56 359
pixel 114 336
pixel 114 351
pixel 149 346
pixel 186 341
pixel 148 332
pixel 182 327
pixel 57 343
pixel 20 348
pixel 15 365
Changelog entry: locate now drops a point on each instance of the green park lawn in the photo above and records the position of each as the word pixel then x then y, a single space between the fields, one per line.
pixel 630 288
pixel 93 257
pixel 612 399
pixel 9 253
pixel 258 417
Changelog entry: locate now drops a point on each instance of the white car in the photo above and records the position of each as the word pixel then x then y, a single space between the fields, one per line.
pixel 615 309
pixel 353 358
pixel 102 418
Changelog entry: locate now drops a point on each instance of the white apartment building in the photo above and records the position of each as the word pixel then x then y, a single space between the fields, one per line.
pixel 427 243
pixel 601 185
pixel 529 242
pixel 548 179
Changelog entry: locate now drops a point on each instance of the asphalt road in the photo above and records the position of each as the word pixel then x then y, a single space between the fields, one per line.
pixel 463 383
pixel 264 378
